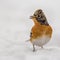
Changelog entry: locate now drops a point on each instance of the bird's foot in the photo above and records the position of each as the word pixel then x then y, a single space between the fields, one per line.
pixel 33 48
pixel 42 47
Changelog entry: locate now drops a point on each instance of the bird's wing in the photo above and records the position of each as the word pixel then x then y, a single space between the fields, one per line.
pixel 30 34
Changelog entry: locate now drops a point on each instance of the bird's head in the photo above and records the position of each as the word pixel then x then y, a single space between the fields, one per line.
pixel 39 16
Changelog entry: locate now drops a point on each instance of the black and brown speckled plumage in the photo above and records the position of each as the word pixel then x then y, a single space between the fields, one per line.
pixel 40 29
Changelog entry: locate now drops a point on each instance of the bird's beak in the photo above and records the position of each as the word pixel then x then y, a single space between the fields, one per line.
pixel 31 17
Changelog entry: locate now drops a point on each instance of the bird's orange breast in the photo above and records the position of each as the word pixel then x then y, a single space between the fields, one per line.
pixel 39 30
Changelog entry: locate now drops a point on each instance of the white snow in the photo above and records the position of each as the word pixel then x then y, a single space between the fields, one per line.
pixel 15 28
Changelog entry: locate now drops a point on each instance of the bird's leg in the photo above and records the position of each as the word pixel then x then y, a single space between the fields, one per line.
pixel 41 46
pixel 33 48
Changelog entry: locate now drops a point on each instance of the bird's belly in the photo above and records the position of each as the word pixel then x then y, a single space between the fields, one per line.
pixel 41 40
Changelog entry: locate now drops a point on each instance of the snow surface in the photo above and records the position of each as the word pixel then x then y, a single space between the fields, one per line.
pixel 15 28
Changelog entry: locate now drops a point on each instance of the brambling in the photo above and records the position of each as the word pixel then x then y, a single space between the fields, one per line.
pixel 41 32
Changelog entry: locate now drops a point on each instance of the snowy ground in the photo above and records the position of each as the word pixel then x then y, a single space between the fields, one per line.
pixel 15 28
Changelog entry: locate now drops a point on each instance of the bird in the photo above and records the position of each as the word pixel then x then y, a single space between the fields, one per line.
pixel 41 31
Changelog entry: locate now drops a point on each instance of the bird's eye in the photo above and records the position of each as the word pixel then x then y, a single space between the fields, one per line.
pixel 39 11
